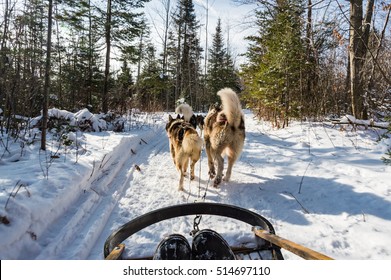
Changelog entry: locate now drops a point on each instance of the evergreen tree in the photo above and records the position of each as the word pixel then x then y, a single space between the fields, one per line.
pixel 122 25
pixel 276 61
pixel 151 96
pixel 188 51
pixel 77 58
pixel 172 54
pixel 221 69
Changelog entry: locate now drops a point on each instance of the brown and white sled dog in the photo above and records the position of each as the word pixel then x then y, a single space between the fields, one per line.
pixel 185 146
pixel 224 134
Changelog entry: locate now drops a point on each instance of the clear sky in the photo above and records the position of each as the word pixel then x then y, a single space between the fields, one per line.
pixel 236 22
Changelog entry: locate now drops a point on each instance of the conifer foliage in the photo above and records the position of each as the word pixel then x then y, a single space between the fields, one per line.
pixel 276 63
pixel 221 68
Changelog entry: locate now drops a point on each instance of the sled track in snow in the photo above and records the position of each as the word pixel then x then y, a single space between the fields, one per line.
pixel 85 219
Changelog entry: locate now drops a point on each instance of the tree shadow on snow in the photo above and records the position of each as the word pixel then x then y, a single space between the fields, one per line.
pixel 280 199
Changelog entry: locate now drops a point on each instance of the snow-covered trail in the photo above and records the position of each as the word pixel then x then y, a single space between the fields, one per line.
pixel 75 232
pixel 320 187
pixel 309 181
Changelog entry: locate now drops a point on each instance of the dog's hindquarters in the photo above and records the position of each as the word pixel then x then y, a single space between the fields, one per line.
pixel 224 134
pixel 189 152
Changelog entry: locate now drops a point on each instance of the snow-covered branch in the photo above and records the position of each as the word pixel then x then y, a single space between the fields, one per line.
pixel 349 119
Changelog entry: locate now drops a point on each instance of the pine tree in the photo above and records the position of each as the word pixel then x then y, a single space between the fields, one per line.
pixel 151 96
pixel 221 68
pixel 77 56
pixel 188 51
pixel 277 55
pixel 122 26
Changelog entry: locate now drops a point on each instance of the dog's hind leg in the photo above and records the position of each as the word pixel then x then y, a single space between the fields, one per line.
pixel 231 161
pixel 211 156
pixel 192 176
pixel 172 151
pixel 181 166
pixel 194 158
pixel 181 179
pixel 182 172
pixel 220 167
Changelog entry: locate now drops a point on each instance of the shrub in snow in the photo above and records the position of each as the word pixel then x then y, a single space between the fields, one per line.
pixel 89 122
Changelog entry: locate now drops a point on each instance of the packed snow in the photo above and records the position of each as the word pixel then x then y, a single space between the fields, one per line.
pixel 321 185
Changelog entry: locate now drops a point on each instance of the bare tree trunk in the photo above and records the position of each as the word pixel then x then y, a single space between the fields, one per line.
pixel 358 48
pixel 140 58
pixel 166 27
pixel 60 78
pixel 107 66
pixel 3 59
pixel 309 49
pixel 46 90
pixel 178 83
pixel 90 54
pixel 369 83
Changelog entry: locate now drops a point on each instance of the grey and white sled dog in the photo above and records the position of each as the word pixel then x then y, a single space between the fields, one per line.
pixel 224 134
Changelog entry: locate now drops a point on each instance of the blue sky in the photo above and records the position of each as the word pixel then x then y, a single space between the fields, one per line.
pixel 236 22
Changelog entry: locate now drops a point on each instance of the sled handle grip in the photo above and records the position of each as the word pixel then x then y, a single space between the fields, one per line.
pixel 116 254
pixel 295 248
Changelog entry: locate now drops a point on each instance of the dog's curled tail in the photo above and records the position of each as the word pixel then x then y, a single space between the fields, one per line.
pixel 185 110
pixel 231 106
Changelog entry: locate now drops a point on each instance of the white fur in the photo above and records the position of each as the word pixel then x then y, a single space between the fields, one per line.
pixel 185 110
pixel 231 106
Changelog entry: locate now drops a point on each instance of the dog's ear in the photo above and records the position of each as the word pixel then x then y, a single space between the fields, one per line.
pixel 200 119
pixel 193 121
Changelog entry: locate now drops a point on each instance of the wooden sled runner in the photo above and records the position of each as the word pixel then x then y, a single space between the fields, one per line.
pixel 269 244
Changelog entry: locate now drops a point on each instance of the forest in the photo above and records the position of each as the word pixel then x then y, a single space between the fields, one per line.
pixel 307 59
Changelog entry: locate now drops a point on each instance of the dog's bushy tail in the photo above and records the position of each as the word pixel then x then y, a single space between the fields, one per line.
pixel 185 110
pixel 231 106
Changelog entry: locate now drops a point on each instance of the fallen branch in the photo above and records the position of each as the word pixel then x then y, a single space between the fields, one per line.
pixel 350 120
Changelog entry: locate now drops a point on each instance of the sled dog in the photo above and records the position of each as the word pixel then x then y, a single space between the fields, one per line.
pixel 188 115
pixel 185 146
pixel 224 134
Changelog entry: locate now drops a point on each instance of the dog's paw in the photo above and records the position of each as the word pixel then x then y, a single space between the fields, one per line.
pixel 217 182
pixel 212 174
pixel 192 177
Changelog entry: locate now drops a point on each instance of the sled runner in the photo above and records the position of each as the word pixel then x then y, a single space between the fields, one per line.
pixel 268 244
